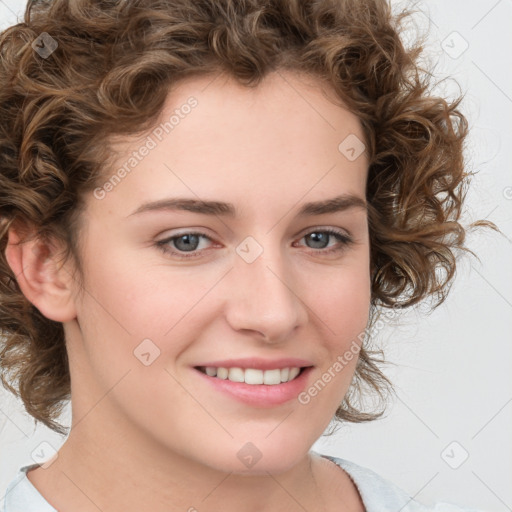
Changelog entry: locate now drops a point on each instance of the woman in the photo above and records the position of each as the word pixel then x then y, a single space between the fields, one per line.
pixel 205 205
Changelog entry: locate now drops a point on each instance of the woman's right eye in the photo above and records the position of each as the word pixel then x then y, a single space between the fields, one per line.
pixel 187 241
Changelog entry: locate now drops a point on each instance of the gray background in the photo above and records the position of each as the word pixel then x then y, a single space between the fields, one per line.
pixel 447 435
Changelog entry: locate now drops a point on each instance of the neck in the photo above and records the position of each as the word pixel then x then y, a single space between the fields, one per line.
pixel 108 468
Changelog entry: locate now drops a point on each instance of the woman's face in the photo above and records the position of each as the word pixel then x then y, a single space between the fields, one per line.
pixel 263 287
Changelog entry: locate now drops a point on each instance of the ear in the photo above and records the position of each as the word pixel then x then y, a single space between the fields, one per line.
pixel 47 284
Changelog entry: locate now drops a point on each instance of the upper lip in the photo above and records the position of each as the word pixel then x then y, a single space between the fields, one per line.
pixel 259 363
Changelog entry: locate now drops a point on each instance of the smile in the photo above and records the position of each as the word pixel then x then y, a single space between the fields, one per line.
pixel 252 376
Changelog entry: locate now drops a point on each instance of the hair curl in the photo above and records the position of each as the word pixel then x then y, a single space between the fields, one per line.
pixel 110 74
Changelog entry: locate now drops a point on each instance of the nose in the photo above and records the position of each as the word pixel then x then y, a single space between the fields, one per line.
pixel 263 297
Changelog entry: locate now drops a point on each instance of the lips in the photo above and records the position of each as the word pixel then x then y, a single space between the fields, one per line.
pixel 256 381
pixel 258 363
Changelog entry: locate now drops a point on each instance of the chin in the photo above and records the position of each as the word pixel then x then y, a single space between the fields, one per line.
pixel 259 457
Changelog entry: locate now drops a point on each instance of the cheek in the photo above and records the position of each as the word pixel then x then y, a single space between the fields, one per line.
pixel 125 307
pixel 346 318
pixel 137 302
pixel 342 304
pixel 342 313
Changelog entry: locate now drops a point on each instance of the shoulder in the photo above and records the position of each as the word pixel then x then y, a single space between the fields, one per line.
pixel 22 496
pixel 377 491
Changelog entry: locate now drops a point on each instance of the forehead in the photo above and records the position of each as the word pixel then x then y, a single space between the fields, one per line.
pixel 276 142
pixel 285 105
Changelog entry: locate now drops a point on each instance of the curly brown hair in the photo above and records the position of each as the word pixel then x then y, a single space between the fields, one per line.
pixel 110 74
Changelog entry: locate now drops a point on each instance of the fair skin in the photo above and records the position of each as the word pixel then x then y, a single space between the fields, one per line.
pixel 160 437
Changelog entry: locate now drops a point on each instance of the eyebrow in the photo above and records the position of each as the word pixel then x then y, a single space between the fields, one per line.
pixel 336 204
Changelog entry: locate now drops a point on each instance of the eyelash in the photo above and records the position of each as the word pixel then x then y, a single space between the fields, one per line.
pixel 344 240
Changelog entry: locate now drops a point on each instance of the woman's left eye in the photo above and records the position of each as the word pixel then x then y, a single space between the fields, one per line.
pixel 189 242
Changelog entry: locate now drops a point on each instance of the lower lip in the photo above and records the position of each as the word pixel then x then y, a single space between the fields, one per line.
pixel 262 395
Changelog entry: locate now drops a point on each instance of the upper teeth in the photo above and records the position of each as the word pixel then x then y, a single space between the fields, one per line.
pixel 252 375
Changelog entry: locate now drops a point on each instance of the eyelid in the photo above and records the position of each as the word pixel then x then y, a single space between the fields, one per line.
pixel 205 232
pixel 344 238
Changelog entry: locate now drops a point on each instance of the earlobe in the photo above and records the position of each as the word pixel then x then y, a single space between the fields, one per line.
pixel 45 283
